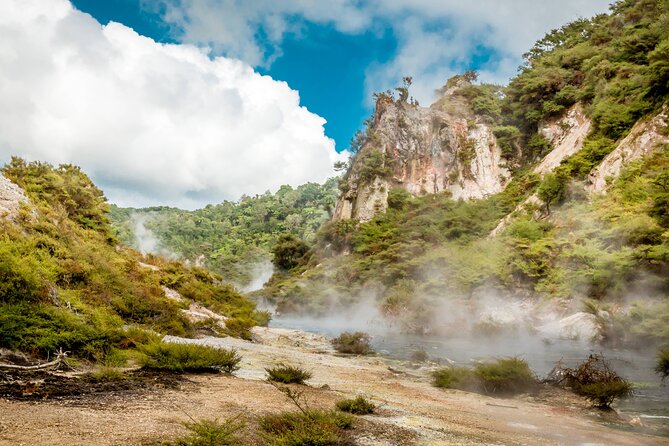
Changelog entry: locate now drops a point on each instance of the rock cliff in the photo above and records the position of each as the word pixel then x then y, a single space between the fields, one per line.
pixel 423 150
pixel 11 197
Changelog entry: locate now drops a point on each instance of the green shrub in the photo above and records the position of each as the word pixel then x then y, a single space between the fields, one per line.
pixel 353 342
pixel 358 406
pixel 287 374
pixel 211 433
pixel 503 376
pixel 662 364
pixel 506 376
pixel 595 380
pixel 455 378
pixel 306 428
pixel 189 358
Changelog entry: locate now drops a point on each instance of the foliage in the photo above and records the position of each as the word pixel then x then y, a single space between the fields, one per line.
pixel 290 252
pixel 205 432
pixel 357 406
pixel 503 376
pixel 358 343
pixel 189 358
pixel 307 427
pixel 662 364
pixel 595 380
pixel 287 374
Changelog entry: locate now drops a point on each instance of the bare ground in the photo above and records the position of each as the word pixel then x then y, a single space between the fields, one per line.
pixel 412 412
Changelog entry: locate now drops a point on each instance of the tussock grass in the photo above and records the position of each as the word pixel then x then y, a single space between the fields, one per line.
pixel 502 376
pixel 188 358
pixel 358 343
pixel 211 433
pixel 306 427
pixel 357 406
pixel 287 374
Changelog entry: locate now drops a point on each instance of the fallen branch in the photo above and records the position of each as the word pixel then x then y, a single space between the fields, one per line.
pixel 60 359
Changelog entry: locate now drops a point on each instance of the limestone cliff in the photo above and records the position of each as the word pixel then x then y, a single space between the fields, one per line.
pixel 423 150
pixel 11 197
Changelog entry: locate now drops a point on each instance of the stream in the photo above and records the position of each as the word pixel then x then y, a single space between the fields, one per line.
pixel 650 402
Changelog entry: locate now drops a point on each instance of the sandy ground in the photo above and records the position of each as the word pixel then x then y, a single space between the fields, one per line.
pixel 412 412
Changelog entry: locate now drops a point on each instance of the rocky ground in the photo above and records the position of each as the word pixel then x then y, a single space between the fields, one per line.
pixel 146 408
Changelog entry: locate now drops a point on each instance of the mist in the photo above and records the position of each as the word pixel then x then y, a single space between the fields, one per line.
pixel 146 240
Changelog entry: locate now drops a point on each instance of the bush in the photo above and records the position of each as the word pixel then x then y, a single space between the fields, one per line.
pixel 508 375
pixel 353 342
pixel 211 433
pixel 662 364
pixel 189 358
pixel 358 406
pixel 593 379
pixel 287 374
pixel 308 427
pixel 503 376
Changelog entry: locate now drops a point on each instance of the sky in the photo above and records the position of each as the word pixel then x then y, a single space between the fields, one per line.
pixel 190 102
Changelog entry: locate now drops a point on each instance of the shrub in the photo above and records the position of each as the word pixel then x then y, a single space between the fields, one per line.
pixel 503 376
pixel 308 427
pixel 211 433
pixel 662 364
pixel 358 406
pixel 353 342
pixel 507 375
pixel 419 356
pixel 287 374
pixel 593 379
pixel 189 358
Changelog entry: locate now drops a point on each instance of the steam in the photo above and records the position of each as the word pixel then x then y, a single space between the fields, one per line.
pixel 145 239
pixel 260 274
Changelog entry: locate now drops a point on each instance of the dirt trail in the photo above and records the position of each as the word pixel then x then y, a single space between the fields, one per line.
pixel 412 413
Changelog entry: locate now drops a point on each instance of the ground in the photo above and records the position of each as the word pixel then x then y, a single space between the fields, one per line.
pixel 412 412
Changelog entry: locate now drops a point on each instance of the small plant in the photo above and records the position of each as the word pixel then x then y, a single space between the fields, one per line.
pixel 503 376
pixel 662 364
pixel 507 375
pixel 105 374
pixel 309 427
pixel 593 379
pixel 287 374
pixel 358 343
pixel 419 356
pixel 211 433
pixel 189 358
pixel 358 406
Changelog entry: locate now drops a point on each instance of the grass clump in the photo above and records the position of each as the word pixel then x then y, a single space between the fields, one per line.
pixel 358 406
pixel 306 428
pixel 593 379
pixel 662 364
pixel 358 343
pixel 287 374
pixel 189 358
pixel 503 376
pixel 211 433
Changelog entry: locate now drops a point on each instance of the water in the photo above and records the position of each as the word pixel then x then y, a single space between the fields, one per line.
pixel 650 401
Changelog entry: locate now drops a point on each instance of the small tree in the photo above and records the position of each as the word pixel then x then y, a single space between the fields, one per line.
pixel 290 252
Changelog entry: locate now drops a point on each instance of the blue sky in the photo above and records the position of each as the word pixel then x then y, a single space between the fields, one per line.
pixel 191 102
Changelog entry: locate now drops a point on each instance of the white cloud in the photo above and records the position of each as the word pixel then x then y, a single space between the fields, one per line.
pixel 436 37
pixel 151 123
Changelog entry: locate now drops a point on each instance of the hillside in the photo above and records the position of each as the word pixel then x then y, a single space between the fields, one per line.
pixel 579 226
pixel 66 282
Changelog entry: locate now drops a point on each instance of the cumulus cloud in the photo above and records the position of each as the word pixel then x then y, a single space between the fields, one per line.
pixel 151 123
pixel 436 38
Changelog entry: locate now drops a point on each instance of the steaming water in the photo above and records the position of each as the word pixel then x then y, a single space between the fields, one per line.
pixel 650 401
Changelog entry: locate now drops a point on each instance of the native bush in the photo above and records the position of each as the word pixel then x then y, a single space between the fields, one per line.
pixel 358 343
pixel 502 376
pixel 357 406
pixel 662 364
pixel 306 427
pixel 189 358
pixel 287 374
pixel 211 433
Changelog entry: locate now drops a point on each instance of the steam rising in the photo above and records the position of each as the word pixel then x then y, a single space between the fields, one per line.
pixel 260 273
pixel 145 239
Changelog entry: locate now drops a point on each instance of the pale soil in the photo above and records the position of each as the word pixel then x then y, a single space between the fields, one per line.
pixel 412 411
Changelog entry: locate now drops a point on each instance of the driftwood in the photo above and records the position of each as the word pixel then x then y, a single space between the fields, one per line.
pixel 60 359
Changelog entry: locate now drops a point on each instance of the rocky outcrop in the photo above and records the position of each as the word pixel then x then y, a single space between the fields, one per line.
pixel 566 135
pixel 11 197
pixel 424 151
pixel 645 138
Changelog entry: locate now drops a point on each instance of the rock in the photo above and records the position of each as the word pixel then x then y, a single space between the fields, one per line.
pixel 579 325
pixel 566 135
pixel 11 197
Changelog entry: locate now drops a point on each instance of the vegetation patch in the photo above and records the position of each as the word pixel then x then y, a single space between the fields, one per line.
pixel 288 374
pixel 358 343
pixel 357 406
pixel 593 379
pixel 307 427
pixel 662 364
pixel 506 376
pixel 189 358
pixel 211 433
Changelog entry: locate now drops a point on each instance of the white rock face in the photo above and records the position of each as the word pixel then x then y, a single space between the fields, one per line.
pixel 566 136
pixel 578 326
pixel 645 138
pixel 11 197
pixel 428 150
